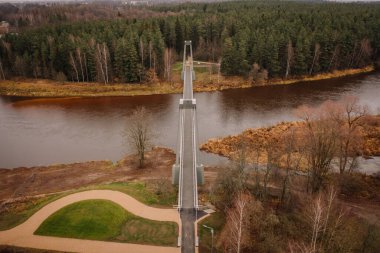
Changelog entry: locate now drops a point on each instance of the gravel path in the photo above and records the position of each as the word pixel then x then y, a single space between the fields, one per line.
pixel 22 235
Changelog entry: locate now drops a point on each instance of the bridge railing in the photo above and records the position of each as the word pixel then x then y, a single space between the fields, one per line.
pixel 181 147
pixel 187 102
pixel 195 162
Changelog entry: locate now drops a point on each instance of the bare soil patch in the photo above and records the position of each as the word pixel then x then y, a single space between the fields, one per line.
pixel 21 182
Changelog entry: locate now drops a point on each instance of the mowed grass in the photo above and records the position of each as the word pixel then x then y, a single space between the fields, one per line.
pixel 16 215
pixel 142 191
pixel 143 231
pixel 107 221
pixel 89 219
pixel 216 221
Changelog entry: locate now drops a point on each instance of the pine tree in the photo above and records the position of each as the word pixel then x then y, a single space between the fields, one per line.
pixel 131 70
pixel 229 63
pixel 179 37
pixel 300 57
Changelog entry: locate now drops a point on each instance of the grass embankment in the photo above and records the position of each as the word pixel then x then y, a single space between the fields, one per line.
pixel 106 221
pixel 49 88
pixel 17 214
pixel 215 221
pixel 204 82
pixel 322 76
pixel 143 192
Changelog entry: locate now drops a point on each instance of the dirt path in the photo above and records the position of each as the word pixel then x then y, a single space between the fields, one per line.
pixel 22 235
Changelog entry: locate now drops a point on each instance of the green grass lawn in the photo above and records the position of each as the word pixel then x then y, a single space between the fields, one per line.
pixel 177 68
pixel 141 191
pixel 216 221
pixel 16 215
pixel 107 221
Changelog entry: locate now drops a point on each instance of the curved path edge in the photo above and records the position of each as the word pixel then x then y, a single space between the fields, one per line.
pixel 23 236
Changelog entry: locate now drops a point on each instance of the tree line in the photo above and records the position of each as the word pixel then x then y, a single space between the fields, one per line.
pixel 282 39
pixel 281 193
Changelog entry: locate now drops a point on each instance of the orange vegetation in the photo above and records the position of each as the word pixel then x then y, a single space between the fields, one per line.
pixel 259 138
pixel 203 82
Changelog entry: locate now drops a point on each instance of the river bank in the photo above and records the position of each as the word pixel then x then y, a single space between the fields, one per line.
pixel 30 181
pixel 203 83
pixel 256 141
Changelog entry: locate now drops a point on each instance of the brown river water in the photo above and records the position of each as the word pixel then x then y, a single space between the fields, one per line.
pixel 52 131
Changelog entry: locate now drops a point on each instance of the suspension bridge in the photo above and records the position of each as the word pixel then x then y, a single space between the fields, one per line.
pixel 187 171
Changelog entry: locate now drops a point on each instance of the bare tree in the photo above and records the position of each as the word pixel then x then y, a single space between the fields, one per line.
pixel 74 66
pixel 289 60
pixel 139 132
pixel 320 142
pixel 162 187
pixel 325 219
pixel 106 61
pixel 293 157
pixel 255 154
pixel 142 51
pixel 317 52
pixel 334 56
pixel 316 221
pixel 79 57
pixel 296 247
pixel 271 150
pixel 1 71
pixel 364 53
pixel 102 57
pixel 240 153
pixel 348 115
pixel 169 59
pixel 236 228
pixel 150 54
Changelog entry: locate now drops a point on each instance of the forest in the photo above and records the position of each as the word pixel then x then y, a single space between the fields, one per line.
pixel 279 39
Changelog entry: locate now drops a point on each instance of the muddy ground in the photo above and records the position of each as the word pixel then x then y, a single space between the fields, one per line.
pixel 22 182
pixel 19 182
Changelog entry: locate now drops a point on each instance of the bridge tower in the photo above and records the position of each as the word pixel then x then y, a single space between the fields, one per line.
pixel 187 171
pixel 187 102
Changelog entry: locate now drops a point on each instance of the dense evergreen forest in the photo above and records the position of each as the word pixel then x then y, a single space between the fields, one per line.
pixel 281 38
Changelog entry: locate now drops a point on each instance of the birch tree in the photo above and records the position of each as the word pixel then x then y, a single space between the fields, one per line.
pixel 169 59
pixel 317 52
pixel 74 66
pixel 236 228
pixel 325 219
pixel 289 58
pixel 102 62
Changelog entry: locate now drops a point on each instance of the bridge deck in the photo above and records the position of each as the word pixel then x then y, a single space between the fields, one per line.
pixel 188 181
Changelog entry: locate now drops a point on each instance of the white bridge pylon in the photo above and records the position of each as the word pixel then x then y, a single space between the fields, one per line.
pixel 187 172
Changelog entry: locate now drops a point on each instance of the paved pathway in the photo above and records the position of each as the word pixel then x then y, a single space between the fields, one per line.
pixel 188 212
pixel 22 235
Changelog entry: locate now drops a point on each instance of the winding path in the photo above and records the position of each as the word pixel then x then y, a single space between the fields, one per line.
pixel 23 236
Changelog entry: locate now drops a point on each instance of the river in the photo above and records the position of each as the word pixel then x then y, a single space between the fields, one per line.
pixel 53 131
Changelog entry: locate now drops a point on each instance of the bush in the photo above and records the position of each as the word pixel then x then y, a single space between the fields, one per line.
pixel 61 77
pixel 360 186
